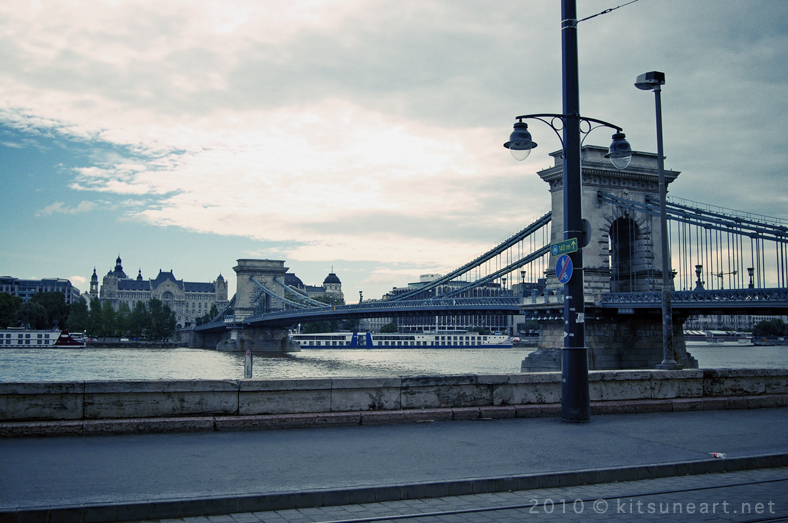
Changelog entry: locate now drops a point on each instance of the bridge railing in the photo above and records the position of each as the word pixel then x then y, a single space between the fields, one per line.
pixel 731 296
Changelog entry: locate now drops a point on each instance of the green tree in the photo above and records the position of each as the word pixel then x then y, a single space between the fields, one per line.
pixel 212 313
pixel 78 315
pixel 389 328
pixel 317 327
pixel 55 305
pixel 162 320
pixel 139 321
pixel 349 325
pixel 95 323
pixel 170 323
pixel 770 329
pixel 8 307
pixel 109 324
pixel 33 315
pixel 123 319
pixel 208 316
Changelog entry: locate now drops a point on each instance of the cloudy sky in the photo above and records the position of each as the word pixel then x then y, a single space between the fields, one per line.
pixel 360 135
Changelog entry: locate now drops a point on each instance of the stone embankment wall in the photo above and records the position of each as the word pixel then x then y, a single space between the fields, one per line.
pixel 157 406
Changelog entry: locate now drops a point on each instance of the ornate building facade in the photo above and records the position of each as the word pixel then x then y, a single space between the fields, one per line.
pixel 188 300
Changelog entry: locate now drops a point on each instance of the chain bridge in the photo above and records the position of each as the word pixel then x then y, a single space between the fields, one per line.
pixel 723 262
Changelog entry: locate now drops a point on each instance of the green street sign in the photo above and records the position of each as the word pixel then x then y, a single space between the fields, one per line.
pixel 564 247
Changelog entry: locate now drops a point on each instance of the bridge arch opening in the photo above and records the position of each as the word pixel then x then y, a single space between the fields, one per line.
pixel 625 255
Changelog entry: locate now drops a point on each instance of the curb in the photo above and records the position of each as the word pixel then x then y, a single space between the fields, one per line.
pixel 15 429
pixel 321 498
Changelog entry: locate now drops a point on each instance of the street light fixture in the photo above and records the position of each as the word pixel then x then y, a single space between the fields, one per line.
pixel 653 81
pixel 575 397
pixel 521 143
pixel 522 284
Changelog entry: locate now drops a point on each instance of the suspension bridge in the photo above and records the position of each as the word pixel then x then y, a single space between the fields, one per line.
pixel 723 262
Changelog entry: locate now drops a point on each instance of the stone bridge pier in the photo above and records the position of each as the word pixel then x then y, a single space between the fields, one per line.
pixel 250 301
pixel 623 255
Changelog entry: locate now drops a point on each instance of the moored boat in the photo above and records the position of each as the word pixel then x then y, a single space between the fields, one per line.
pixel 37 339
pixel 369 340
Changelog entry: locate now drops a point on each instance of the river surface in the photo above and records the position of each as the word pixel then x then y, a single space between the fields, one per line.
pixel 32 365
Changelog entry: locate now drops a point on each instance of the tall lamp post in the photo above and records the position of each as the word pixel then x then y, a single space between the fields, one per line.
pixel 653 81
pixel 575 398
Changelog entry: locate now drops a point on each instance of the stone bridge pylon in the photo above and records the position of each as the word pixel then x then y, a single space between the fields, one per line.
pixel 250 301
pixel 621 256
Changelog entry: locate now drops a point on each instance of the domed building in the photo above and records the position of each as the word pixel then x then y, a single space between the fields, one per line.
pixel 332 287
pixel 188 300
pixel 332 284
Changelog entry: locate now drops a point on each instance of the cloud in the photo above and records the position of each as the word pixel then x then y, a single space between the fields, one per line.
pixel 60 208
pixel 371 130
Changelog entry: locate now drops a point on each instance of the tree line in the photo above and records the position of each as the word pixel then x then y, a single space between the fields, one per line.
pixel 770 329
pixel 154 320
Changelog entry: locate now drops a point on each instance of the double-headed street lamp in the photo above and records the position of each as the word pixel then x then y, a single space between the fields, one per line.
pixel 653 81
pixel 575 399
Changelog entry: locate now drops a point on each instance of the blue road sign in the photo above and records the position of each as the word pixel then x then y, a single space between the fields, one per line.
pixel 563 268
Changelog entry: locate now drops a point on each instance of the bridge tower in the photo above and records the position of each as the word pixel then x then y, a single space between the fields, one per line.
pixel 621 256
pixel 251 301
pixel 248 300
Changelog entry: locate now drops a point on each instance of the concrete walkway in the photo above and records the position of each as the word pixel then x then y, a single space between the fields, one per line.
pixel 742 497
pixel 132 477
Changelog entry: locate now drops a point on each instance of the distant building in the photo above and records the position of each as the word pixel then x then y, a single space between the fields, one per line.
pixel 452 323
pixel 188 300
pixel 728 323
pixel 26 289
pixel 331 288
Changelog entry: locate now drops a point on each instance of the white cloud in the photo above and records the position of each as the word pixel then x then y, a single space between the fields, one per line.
pixel 372 129
pixel 61 208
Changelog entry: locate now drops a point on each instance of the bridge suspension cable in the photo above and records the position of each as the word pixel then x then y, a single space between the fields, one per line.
pixel 506 247
pixel 272 294
pixel 714 249
pixel 220 316
pixel 499 273
pixel 298 294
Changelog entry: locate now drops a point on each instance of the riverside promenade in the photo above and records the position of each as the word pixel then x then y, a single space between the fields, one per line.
pixel 282 475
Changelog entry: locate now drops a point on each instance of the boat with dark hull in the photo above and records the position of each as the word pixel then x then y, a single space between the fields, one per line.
pixel 39 339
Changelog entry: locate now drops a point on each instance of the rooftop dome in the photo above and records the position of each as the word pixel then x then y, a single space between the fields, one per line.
pixel 331 278
pixel 292 279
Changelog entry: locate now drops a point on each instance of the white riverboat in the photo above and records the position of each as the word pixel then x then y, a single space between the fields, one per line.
pixel 369 340
pixel 38 339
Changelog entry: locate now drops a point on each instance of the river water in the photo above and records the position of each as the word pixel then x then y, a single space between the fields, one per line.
pixel 34 365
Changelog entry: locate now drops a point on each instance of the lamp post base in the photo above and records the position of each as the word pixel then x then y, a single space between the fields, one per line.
pixel 669 365
pixel 575 400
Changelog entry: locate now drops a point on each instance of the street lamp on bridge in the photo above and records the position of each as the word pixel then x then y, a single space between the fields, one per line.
pixel 575 398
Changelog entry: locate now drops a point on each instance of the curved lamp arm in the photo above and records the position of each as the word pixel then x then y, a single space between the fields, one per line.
pixel 520 142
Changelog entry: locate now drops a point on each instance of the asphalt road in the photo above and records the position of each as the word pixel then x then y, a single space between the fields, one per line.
pixel 69 471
